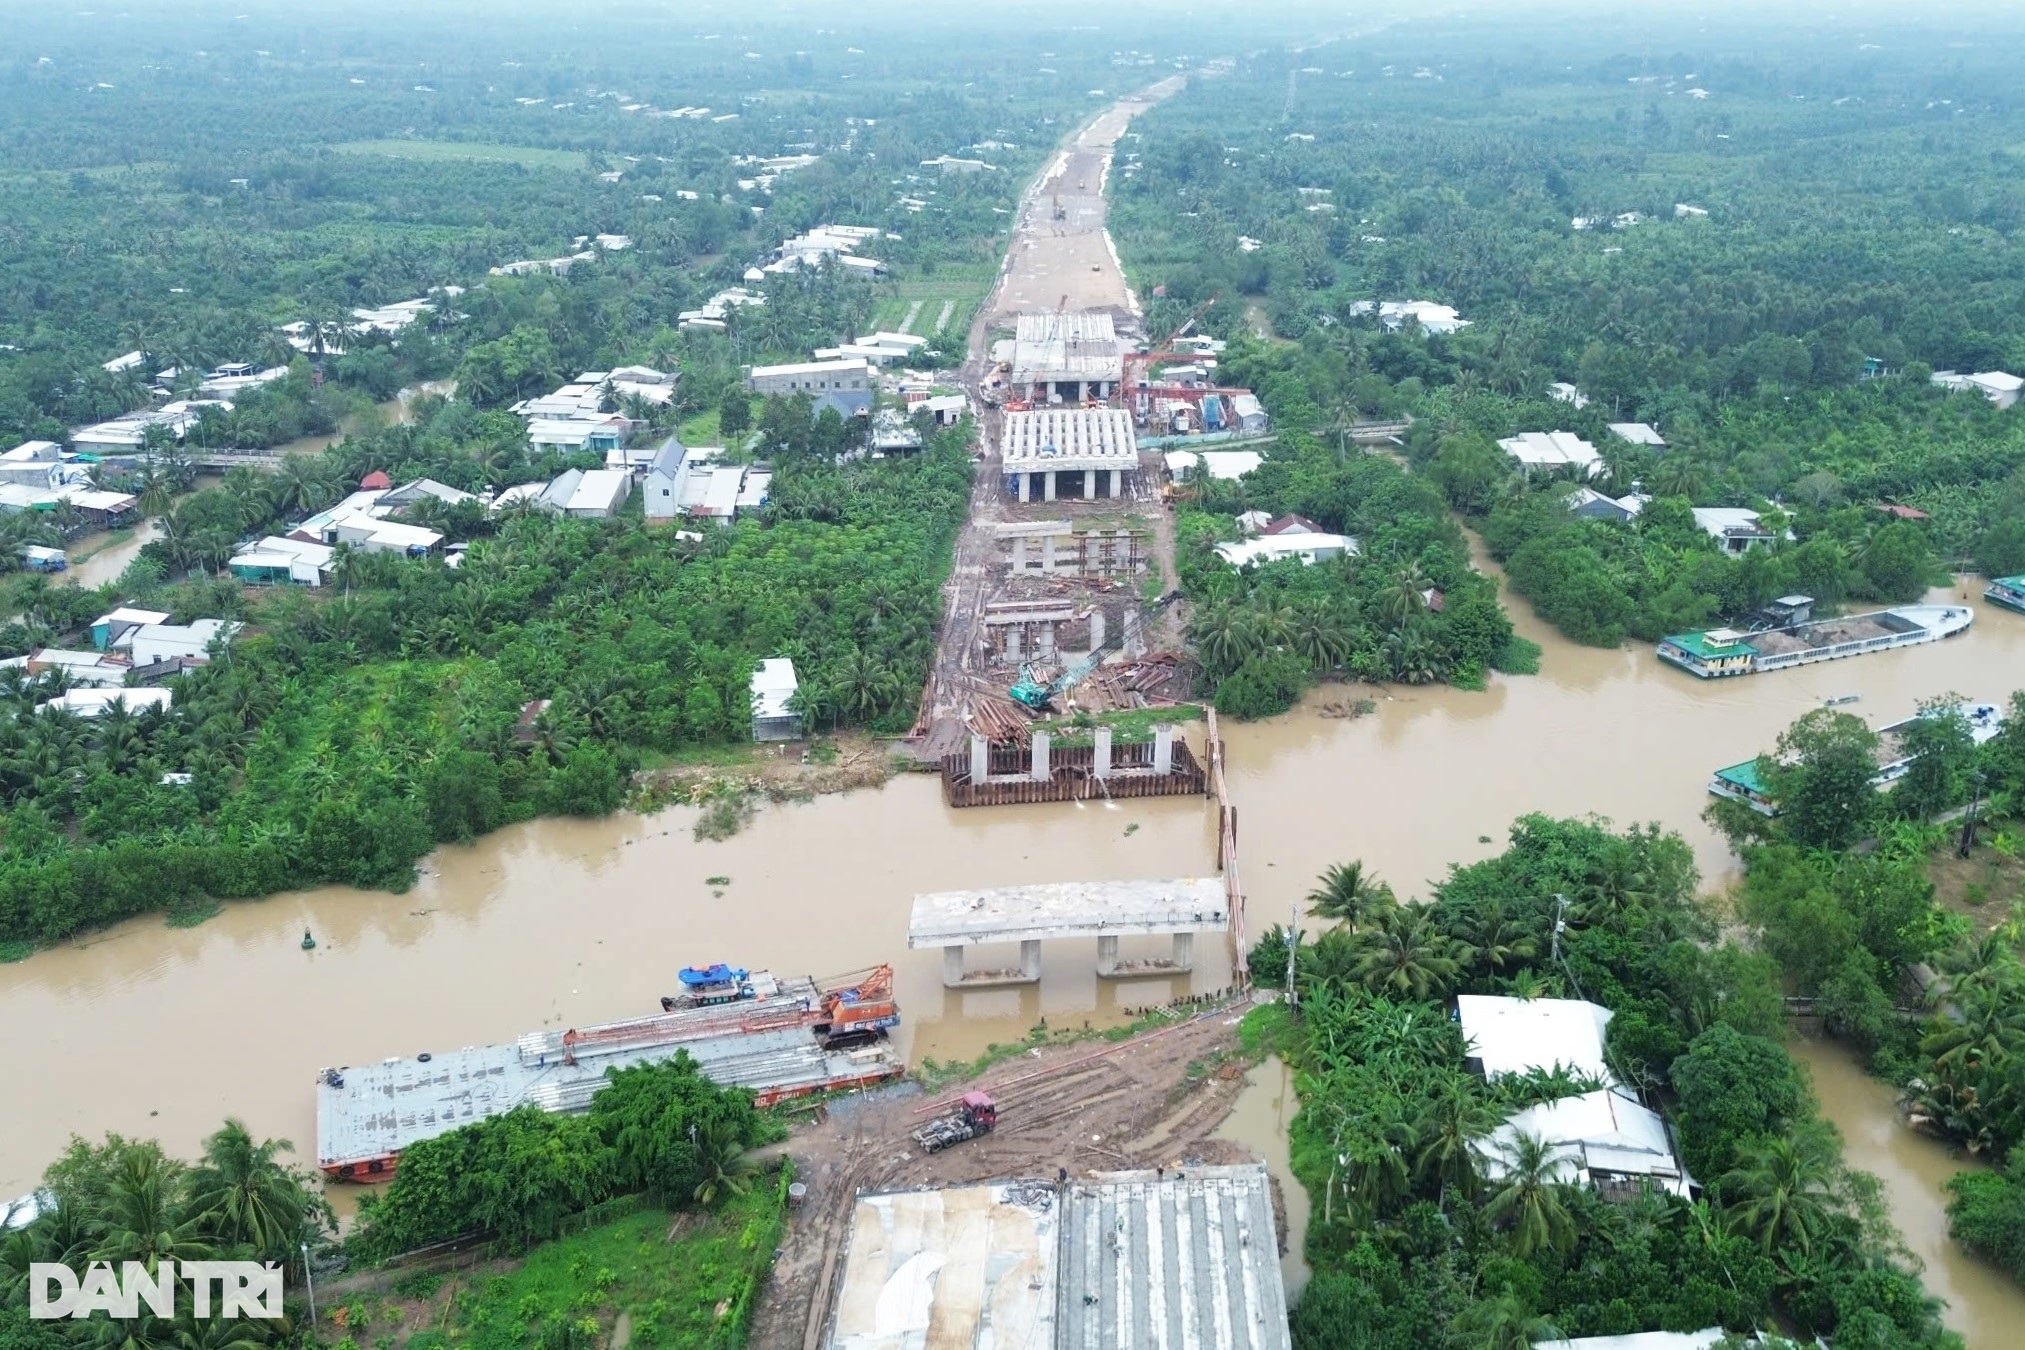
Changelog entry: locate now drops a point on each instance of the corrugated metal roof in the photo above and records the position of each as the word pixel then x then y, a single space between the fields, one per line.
pixel 1188 1261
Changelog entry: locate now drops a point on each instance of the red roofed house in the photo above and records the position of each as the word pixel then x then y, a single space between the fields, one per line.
pixel 1293 525
pixel 376 481
pixel 1897 512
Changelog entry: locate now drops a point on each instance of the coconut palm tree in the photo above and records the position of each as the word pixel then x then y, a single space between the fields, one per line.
pixel 1404 955
pixel 1530 1197
pixel 240 1192
pixel 1224 635
pixel 1448 1129
pixel 1503 1323
pixel 1782 1190
pixel 1406 596
pixel 144 1218
pixel 863 685
pixel 1347 893
pixel 723 1164
pixel 1987 1028
pixel 1319 636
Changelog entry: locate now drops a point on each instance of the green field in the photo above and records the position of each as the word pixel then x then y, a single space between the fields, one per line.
pixel 670 1280
pixel 963 286
pixel 528 156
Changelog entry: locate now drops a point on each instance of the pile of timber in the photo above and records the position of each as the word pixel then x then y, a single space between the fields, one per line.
pixel 998 719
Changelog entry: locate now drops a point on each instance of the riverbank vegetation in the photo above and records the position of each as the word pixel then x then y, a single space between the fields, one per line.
pixel 346 732
pixel 1428 1232
pixel 127 1200
pixel 1932 993
pixel 1407 607
pixel 1671 247
pixel 587 1199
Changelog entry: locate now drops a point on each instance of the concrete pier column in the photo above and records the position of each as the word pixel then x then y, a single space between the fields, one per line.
pixel 1117 483
pixel 1107 954
pixel 980 758
pixel 1026 487
pixel 1090 485
pixel 1048 554
pixel 1019 551
pixel 1041 772
pixel 1102 752
pixel 1096 629
pixel 1135 633
pixel 1049 488
pixel 1030 959
pixel 1015 649
pixel 952 967
pixel 1184 951
pixel 1163 748
pixel 1046 643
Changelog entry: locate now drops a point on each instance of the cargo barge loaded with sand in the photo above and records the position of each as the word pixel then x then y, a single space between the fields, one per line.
pixel 1721 652
pixel 782 1038
pixel 1744 783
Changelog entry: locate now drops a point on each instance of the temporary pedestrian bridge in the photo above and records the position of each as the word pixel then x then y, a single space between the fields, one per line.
pixel 1105 910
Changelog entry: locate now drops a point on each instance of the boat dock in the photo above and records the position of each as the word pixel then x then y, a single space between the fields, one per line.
pixel 776 1044
pixel 1722 652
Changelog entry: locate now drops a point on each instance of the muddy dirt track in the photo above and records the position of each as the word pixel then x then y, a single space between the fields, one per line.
pixel 1093 1106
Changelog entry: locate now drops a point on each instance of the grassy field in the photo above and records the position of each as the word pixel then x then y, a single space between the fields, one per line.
pixel 963 288
pixel 528 156
pixel 657 1281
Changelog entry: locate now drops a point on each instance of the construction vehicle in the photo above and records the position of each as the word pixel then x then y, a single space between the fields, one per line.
pixel 857 1012
pixel 1030 693
pixel 975 1114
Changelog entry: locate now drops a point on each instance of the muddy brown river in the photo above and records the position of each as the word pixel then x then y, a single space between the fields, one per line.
pixel 149 1030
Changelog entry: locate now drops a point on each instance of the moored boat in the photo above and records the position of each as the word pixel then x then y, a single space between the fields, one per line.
pixel 1743 782
pixel 1720 652
pixel 794 1037
pixel 2008 592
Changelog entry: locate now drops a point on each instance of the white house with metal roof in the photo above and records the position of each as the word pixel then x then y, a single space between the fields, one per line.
pixel 1550 450
pixel 773 689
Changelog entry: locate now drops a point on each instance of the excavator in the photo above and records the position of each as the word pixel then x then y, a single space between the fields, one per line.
pixel 1033 695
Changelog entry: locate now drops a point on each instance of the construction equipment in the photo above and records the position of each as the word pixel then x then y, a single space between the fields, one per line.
pixel 1035 696
pixel 975 1114
pixel 857 1012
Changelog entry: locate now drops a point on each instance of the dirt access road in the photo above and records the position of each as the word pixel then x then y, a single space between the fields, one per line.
pixel 1152 1101
pixel 1052 263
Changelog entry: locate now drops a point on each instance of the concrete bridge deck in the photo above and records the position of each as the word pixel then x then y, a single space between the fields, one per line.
pixel 1105 910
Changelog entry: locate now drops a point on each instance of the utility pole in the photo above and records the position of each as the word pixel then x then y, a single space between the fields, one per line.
pixel 1293 949
pixel 1560 922
pixel 309 1280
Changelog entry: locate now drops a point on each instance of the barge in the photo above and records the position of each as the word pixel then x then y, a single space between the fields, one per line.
pixel 791 1037
pixel 2008 592
pixel 1743 783
pixel 1722 652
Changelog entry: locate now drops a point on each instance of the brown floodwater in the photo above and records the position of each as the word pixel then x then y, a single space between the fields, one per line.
pixel 1984 1304
pixel 149 1030
pixel 1260 1120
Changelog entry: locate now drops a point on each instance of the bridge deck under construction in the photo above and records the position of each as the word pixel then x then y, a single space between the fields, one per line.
pixel 1072 776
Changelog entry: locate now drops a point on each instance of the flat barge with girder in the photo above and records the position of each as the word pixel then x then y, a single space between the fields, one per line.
pixel 781 1037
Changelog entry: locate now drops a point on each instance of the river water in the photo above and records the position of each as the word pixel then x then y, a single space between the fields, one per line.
pixel 149 1030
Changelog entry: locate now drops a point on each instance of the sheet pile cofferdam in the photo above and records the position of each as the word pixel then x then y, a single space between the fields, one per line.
pixel 796 1036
